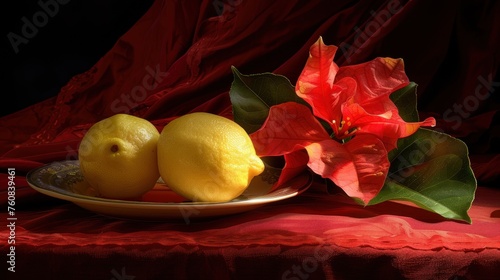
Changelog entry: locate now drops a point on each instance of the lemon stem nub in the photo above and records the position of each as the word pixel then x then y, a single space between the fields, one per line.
pixel 114 148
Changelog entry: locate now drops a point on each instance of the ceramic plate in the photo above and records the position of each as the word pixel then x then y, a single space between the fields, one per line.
pixel 63 180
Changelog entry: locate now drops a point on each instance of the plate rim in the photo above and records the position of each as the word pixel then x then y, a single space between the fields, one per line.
pixel 84 199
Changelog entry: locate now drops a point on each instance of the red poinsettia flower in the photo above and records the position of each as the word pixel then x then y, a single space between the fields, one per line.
pixel 354 101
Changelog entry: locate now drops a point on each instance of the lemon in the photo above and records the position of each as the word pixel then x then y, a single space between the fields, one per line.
pixel 207 158
pixel 118 156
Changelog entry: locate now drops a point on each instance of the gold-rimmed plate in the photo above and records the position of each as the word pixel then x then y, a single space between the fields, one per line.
pixel 63 180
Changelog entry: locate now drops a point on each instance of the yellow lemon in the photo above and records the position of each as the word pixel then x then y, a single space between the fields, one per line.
pixel 208 158
pixel 118 156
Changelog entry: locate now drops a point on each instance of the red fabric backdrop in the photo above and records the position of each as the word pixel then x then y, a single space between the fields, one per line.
pixel 176 59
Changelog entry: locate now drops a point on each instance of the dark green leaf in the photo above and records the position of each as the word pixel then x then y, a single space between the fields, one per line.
pixel 406 101
pixel 432 170
pixel 253 95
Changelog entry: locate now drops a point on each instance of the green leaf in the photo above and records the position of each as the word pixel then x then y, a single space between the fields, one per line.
pixel 406 101
pixel 432 170
pixel 252 96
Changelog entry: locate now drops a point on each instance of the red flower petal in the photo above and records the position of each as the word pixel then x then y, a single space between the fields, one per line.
pixel 388 127
pixel 316 82
pixel 295 163
pixel 375 81
pixel 358 167
pixel 289 127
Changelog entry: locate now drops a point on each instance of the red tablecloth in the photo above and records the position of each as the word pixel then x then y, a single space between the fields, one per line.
pixel 317 235
pixel 176 59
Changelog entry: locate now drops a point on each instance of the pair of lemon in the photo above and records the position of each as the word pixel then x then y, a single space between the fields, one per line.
pixel 201 156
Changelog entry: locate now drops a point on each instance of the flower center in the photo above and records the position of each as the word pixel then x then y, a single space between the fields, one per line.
pixel 345 128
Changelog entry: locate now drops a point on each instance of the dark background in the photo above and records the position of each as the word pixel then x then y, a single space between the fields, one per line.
pixel 71 41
